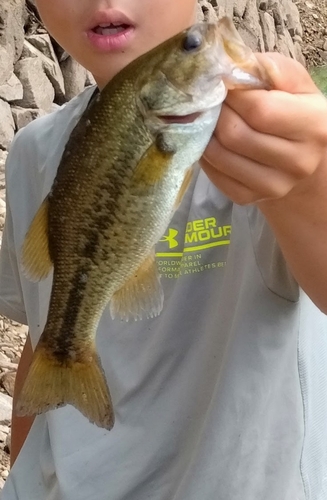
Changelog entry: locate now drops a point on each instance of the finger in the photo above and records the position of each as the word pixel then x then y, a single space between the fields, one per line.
pixel 288 74
pixel 233 189
pixel 237 136
pixel 259 178
pixel 277 113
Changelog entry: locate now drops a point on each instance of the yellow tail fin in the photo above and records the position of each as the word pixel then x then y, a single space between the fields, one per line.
pixel 50 384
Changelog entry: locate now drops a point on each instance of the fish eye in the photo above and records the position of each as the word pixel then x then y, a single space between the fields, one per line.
pixel 192 41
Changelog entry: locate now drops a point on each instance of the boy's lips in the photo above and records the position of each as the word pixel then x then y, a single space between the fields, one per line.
pixel 110 30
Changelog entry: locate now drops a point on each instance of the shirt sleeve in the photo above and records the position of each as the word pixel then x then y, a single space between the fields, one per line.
pixel 272 265
pixel 11 296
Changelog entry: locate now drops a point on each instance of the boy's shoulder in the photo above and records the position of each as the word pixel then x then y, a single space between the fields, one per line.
pixel 38 139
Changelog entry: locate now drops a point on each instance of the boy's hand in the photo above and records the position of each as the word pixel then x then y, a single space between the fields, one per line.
pixel 270 148
pixel 267 143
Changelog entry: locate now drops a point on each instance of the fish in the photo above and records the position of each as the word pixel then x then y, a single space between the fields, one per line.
pixel 123 173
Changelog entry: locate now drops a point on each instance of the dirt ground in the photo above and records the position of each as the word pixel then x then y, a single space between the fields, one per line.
pixel 12 335
pixel 314 22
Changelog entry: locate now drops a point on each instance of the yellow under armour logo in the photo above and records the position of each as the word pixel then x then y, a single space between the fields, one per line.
pixel 171 238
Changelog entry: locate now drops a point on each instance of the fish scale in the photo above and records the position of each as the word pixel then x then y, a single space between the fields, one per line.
pixel 122 175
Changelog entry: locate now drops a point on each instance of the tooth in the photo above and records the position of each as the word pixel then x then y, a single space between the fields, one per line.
pixel 107 25
pixel 111 31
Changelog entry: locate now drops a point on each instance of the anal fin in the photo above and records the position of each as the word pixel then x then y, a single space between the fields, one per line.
pixel 36 259
pixel 141 296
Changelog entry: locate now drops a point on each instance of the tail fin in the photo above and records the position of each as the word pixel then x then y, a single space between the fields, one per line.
pixel 50 384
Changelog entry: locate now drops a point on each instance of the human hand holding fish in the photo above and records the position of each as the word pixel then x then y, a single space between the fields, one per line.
pixel 266 143
pixel 270 149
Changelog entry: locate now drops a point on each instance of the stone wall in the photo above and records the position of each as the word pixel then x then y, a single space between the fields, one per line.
pixel 36 75
pixel 265 25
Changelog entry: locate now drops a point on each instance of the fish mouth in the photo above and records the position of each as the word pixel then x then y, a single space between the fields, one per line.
pixel 180 119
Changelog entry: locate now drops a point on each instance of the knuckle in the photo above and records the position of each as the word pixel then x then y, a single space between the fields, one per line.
pixel 228 133
pixel 303 167
pixel 244 198
pixel 259 116
pixel 279 190
pixel 323 134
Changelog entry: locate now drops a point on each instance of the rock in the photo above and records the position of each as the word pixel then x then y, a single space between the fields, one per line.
pixel 239 7
pixel 297 38
pixel 43 44
pixel 12 90
pixel 74 77
pixel 3 436
pixel 38 91
pixel 5 474
pixel 7 125
pixel 3 156
pixel 250 29
pixel 298 53
pixel 285 45
pixel 50 64
pixel 6 64
pixel 268 31
pixel 5 408
pixel 259 31
pixel 2 214
pixel 8 382
pixel 8 441
pixel 9 353
pixel 89 79
pixel 4 360
pixel 12 27
pixel 23 116
pixel 208 12
pixel 226 7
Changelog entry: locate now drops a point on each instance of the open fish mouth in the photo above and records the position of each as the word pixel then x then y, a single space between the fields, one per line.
pixel 170 119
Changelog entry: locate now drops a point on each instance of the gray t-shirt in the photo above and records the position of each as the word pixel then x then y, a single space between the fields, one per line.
pixel 223 396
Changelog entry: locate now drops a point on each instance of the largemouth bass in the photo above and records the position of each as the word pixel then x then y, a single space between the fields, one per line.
pixel 123 172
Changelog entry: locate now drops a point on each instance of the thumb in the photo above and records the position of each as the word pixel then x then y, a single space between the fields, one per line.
pixel 286 74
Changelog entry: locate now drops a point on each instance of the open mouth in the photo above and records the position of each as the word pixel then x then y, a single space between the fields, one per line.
pixel 111 29
pixel 169 119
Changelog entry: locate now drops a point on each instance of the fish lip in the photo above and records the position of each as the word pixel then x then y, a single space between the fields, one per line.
pixel 108 17
pixel 180 119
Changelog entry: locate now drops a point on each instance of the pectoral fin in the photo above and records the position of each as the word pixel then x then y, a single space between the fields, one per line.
pixel 36 259
pixel 153 166
pixel 184 187
pixel 141 296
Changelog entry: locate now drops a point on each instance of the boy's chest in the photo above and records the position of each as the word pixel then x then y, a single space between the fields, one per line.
pixel 198 237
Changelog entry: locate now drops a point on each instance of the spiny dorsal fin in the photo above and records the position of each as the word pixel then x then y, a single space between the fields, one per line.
pixel 141 296
pixel 36 259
